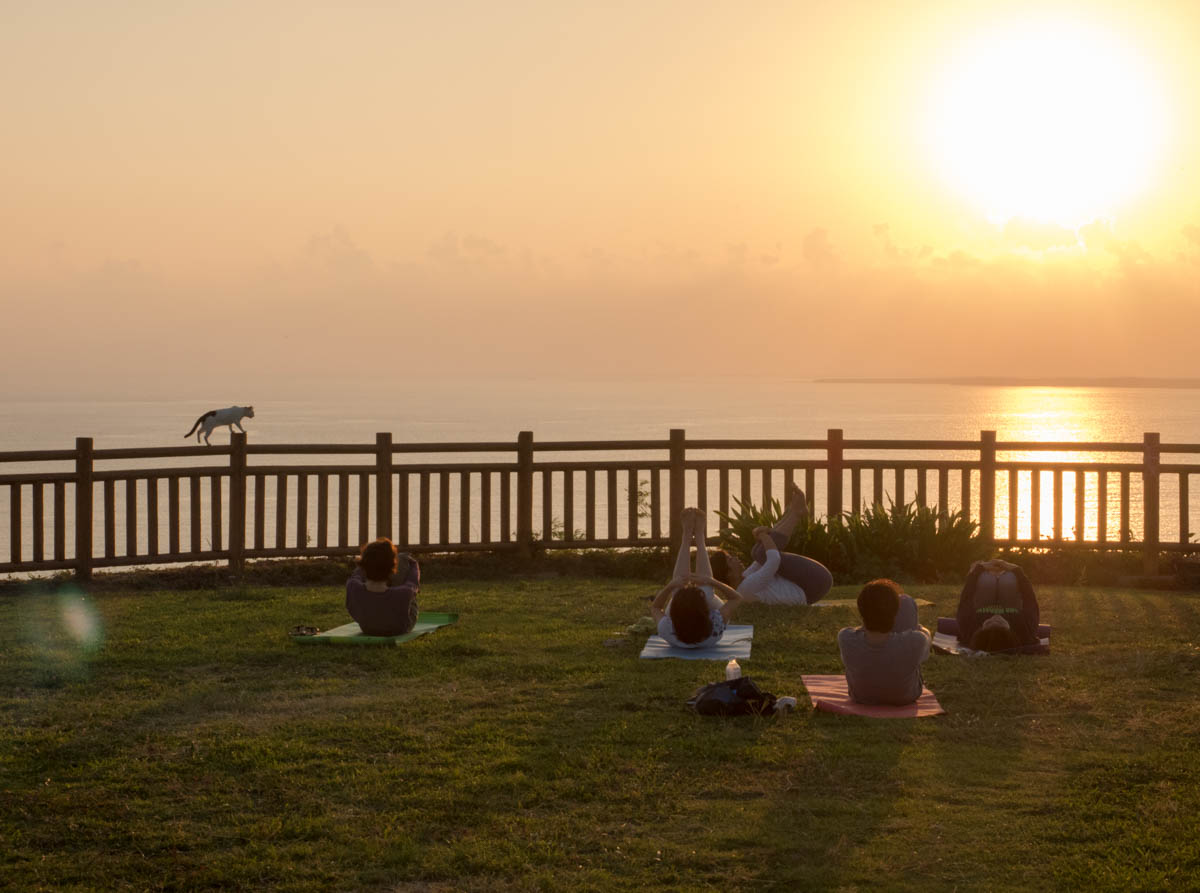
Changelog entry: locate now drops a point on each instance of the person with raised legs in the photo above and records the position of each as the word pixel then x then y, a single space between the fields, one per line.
pixel 777 577
pixel 688 612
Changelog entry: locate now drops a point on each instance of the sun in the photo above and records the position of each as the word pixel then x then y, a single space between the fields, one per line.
pixel 1051 121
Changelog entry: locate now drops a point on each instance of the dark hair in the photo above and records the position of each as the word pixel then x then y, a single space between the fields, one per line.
pixel 995 638
pixel 689 615
pixel 378 559
pixel 721 569
pixel 878 603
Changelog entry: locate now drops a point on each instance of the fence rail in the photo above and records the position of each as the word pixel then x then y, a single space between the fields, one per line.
pixel 245 501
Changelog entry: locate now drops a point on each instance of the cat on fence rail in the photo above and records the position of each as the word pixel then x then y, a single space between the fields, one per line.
pixel 230 416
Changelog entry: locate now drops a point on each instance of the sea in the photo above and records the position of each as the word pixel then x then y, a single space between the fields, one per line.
pixel 559 409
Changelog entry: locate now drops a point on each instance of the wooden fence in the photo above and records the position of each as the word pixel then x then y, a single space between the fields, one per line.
pixel 80 509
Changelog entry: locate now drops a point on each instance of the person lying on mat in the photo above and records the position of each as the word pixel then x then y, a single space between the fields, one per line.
pixel 777 577
pixel 883 657
pixel 379 608
pixel 998 609
pixel 687 610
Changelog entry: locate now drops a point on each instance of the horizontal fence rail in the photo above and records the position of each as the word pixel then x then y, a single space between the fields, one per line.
pixel 85 508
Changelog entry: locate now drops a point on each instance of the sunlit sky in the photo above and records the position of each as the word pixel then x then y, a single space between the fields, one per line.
pixel 209 194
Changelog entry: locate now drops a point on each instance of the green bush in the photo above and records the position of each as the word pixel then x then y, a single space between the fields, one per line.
pixel 908 542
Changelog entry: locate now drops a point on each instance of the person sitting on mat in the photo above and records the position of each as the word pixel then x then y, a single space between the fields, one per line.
pixel 381 609
pixel 997 609
pixel 883 657
pixel 777 577
pixel 688 612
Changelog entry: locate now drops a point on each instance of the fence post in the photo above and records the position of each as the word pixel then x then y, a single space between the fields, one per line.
pixel 525 493
pixel 833 473
pixel 383 484
pixel 987 486
pixel 1150 543
pixel 677 481
pixel 237 502
pixel 83 509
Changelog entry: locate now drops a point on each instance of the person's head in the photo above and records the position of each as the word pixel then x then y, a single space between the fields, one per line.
pixel 726 567
pixel 878 603
pixel 994 635
pixel 689 615
pixel 378 559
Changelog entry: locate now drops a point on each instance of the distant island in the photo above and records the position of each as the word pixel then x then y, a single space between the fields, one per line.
pixel 1049 382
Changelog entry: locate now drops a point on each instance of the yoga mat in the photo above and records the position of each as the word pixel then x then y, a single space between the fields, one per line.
pixel 945 641
pixel 831 694
pixel 351 634
pixel 735 643
pixel 853 603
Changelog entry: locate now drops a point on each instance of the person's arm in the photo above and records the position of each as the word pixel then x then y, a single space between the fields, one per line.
pixel 733 597
pixel 658 607
pixel 754 582
pixel 412 577
pixel 922 647
pixel 906 616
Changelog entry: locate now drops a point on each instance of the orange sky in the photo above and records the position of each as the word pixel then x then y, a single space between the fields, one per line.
pixel 272 192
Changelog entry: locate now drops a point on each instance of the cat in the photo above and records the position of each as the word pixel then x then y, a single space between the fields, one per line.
pixel 230 416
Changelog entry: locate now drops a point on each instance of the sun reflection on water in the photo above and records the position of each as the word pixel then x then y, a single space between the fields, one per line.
pixel 1062 415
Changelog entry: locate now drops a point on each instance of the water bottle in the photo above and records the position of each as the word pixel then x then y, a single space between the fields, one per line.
pixel 732 670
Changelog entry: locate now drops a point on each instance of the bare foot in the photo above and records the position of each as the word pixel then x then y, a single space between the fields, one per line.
pixel 797 500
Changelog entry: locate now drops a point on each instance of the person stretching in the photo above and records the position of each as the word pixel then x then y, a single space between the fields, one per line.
pixel 997 610
pixel 883 657
pixel 379 608
pixel 688 612
pixel 777 577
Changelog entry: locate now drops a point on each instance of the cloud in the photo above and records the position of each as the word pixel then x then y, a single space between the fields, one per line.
pixel 817 249
pixel 337 253
pixel 468 252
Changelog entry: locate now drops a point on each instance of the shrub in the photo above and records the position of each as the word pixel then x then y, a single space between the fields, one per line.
pixel 910 541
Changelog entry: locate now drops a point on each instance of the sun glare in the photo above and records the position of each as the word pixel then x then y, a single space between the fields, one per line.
pixel 1055 122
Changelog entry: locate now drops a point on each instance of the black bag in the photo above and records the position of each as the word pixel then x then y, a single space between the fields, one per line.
pixel 733 697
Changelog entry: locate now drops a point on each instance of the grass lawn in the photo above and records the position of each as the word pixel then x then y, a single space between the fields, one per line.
pixel 191 745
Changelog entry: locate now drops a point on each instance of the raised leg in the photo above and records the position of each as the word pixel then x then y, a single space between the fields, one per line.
pixel 796 511
pixel 683 561
pixel 807 573
pixel 700 535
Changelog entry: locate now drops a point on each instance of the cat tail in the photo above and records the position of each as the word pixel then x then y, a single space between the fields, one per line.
pixel 198 421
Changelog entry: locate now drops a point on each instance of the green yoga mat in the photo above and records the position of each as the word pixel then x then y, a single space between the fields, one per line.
pixel 853 603
pixel 350 634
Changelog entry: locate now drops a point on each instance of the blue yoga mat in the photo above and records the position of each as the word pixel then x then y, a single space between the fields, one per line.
pixel 734 644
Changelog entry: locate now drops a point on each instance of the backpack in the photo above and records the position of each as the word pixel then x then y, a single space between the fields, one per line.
pixel 733 697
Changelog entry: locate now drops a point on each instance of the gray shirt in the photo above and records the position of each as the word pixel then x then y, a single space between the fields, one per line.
pixel 887 672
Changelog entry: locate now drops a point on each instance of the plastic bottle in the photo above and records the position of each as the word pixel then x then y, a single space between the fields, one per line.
pixel 732 670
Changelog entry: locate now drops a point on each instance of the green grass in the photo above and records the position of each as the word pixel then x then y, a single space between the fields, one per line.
pixel 191 745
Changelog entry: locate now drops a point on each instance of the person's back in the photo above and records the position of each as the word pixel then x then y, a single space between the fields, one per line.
pixel 379 608
pixel 883 657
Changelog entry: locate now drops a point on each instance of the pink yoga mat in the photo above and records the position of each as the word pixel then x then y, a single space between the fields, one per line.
pixel 832 695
